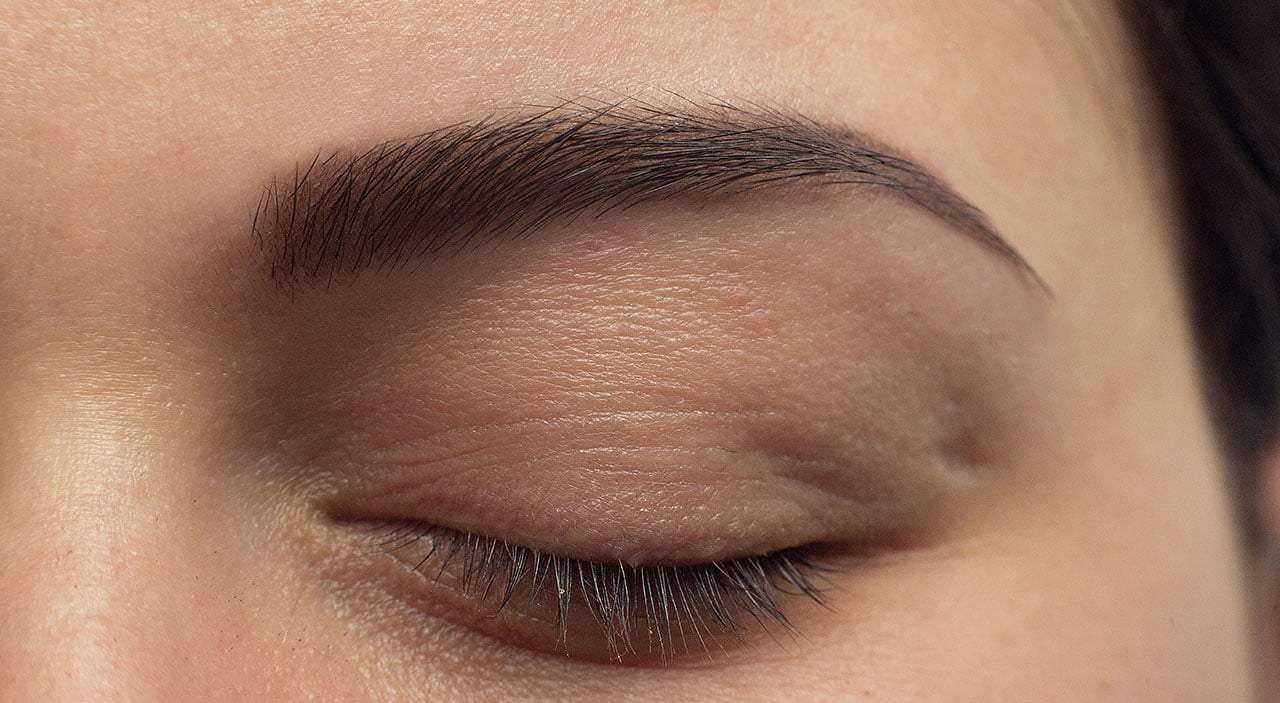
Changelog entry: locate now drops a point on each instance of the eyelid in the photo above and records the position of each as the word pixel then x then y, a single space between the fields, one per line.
pixel 638 612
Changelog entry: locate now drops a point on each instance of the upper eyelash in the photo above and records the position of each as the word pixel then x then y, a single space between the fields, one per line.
pixel 660 608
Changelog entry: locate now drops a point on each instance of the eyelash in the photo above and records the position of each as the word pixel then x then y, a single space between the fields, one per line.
pixel 664 610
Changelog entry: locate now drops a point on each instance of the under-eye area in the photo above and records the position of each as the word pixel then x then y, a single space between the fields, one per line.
pixel 615 611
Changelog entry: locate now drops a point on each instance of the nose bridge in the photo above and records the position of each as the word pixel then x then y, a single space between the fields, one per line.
pixel 80 517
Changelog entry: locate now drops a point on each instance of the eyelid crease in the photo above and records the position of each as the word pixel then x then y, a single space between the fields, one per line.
pixel 666 610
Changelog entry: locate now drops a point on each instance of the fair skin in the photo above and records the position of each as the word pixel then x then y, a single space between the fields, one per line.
pixel 188 454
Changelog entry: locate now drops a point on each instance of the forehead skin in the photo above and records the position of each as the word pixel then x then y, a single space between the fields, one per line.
pixel 134 140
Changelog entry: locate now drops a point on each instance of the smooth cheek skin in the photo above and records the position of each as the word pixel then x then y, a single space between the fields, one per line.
pixel 168 425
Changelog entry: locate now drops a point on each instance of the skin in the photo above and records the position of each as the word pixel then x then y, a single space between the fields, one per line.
pixel 176 438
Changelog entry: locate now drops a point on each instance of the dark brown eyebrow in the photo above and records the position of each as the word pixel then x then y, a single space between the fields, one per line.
pixel 443 191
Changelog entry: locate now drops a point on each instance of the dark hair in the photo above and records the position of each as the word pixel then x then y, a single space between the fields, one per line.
pixel 1215 67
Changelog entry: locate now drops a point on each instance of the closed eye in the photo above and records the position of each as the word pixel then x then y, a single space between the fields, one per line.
pixel 636 611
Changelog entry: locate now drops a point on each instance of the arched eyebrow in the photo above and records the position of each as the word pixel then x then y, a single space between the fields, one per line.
pixel 403 201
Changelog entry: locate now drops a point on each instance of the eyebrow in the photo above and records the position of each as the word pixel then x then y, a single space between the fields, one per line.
pixel 408 200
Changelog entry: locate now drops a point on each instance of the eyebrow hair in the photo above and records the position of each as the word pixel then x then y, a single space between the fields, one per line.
pixel 448 189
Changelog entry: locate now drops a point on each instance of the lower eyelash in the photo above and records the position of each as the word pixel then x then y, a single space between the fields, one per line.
pixel 661 609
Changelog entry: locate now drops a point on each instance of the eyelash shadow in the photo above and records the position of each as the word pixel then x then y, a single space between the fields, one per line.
pixel 663 609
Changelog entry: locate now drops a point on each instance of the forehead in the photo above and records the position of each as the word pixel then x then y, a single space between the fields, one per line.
pixel 128 118
pixel 300 67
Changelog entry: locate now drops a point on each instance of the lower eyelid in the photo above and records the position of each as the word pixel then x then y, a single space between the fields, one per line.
pixel 612 611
